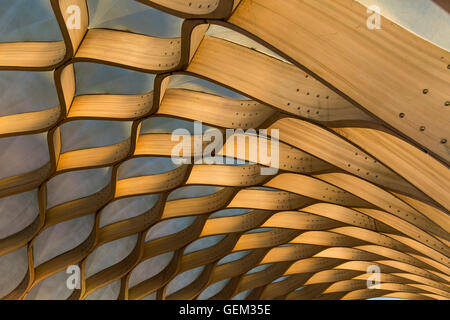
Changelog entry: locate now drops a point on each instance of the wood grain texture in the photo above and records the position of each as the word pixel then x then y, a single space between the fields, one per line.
pixel 329 38
pixel 352 188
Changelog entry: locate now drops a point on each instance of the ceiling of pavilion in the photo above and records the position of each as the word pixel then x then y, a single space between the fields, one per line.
pixel 24 91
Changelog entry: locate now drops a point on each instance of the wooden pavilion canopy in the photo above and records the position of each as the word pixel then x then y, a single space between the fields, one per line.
pixel 363 119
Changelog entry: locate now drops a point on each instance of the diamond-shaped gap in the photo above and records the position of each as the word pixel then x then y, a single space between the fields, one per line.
pixel 121 209
pixel 213 289
pixel 182 280
pixel 109 254
pixel 23 91
pixel 225 33
pixel 24 20
pixel 17 212
pixel 61 238
pixel 51 288
pixel 13 267
pixel 149 268
pixel 145 166
pixel 22 154
pixel 112 93
pixel 76 184
pixel 168 227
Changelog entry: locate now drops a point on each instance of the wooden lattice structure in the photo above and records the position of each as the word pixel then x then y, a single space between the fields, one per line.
pixel 363 120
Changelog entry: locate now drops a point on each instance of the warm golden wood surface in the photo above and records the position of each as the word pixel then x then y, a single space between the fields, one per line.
pixel 393 72
pixel 212 9
pixel 300 94
pixel 350 191
pixel 131 50
pixel 18 55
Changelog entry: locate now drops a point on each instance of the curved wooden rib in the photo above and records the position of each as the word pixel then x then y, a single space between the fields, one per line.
pixel 19 239
pixel 323 275
pixel 408 229
pixel 268 200
pixel 78 207
pixel 24 182
pixel 402 65
pixel 208 255
pixel 338 254
pixel 225 175
pixel 255 190
pixel 141 52
pixel 315 189
pixel 29 122
pixel 395 242
pixel 47 55
pixel 423 171
pixel 385 292
pixel 115 271
pixel 253 219
pixel 290 159
pixel 333 255
pixel 383 199
pixel 200 205
pixel 131 50
pixel 160 144
pixel 130 226
pixel 432 213
pixel 174 241
pixel 151 184
pixel 348 215
pixel 355 267
pixel 325 145
pixel 150 285
pixel 326 228
pixel 72 36
pixel 111 107
pixel 93 157
pixel 230 64
pixel 31 55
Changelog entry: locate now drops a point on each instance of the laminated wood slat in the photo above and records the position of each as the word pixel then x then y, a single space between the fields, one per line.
pixel 31 55
pixel 406 74
pixel 323 144
pixel 352 188
pixel 212 9
pixel 230 64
